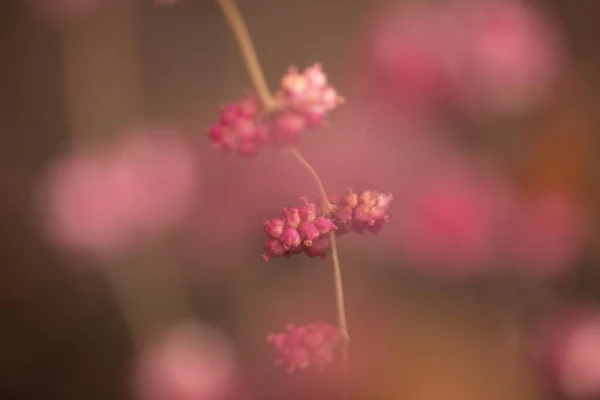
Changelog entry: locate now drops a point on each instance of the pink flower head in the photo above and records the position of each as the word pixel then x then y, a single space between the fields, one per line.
pixel 413 51
pixel 359 212
pixel 188 363
pixel 301 347
pixel 239 128
pixel 546 235
pixel 299 229
pixel 306 98
pixel 107 200
pixel 451 221
pixel 570 346
pixel 512 54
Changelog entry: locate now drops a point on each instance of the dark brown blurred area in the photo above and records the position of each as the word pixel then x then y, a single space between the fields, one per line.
pixel 62 335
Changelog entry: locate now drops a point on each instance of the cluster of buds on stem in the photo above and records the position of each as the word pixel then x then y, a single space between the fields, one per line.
pixel 297 230
pixel 303 101
pixel 239 128
pixel 360 212
pixel 306 346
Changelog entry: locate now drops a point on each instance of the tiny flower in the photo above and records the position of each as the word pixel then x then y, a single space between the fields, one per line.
pixel 274 227
pixel 288 126
pixel 290 238
pixel 368 210
pixel 319 247
pixel 306 98
pixel 291 216
pixel 308 211
pixel 239 128
pixel 274 249
pixel 301 347
pixel 309 232
pixel 324 225
pixel 299 229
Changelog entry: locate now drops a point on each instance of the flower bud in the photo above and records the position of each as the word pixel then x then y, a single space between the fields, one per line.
pixel 308 211
pixel 301 347
pixel 274 227
pixel 291 216
pixel 273 249
pixel 290 238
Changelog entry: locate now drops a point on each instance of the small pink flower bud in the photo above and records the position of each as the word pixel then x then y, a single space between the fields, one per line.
pixel 324 225
pixel 343 217
pixel 239 128
pixel 290 238
pixel 308 232
pixel 288 126
pixel 301 347
pixel 308 210
pixel 350 198
pixel 319 247
pixel 274 249
pixel 291 216
pixel 274 227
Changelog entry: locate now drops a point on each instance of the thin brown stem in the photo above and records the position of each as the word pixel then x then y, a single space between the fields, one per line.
pixel 240 30
pixel 339 287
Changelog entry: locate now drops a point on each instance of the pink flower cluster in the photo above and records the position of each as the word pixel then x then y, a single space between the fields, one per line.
pixel 303 101
pixel 479 57
pixel 360 212
pixel 307 98
pixel 301 347
pixel 105 200
pixel 299 229
pixel 239 128
pixel 190 362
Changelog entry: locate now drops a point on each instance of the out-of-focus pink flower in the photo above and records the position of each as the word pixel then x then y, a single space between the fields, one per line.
pixel 300 347
pixel 368 210
pixel 570 352
pixel 189 363
pixel 106 200
pixel 497 57
pixel 239 128
pixel 513 54
pixel 545 235
pixel 450 221
pixel 308 93
pixel 413 49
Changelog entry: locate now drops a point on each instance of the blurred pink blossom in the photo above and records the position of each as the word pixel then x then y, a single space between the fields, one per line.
pixel 410 49
pixel 191 362
pixel 545 235
pixel 570 350
pixel 480 57
pixel 513 54
pixel 450 220
pixel 305 346
pixel 105 200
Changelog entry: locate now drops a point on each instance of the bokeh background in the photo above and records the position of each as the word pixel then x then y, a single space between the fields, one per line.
pixel 86 77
